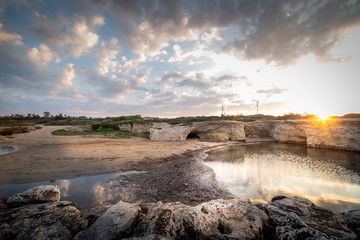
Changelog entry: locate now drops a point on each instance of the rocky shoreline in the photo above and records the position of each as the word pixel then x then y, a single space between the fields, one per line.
pixel 39 214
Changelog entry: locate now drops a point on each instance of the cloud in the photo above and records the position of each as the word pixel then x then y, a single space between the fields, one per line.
pixel 272 91
pixel 42 56
pixel 78 37
pixel 284 32
pixel 67 75
pixel 107 57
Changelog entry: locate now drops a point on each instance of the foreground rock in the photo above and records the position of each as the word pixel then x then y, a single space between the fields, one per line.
pixel 218 219
pixel 56 220
pixel 53 219
pixel 212 130
pixel 39 194
pixel 298 218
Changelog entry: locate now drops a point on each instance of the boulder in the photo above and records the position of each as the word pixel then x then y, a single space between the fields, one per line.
pixel 220 130
pixel 55 220
pixel 138 128
pixel 115 223
pixel 39 194
pixel 166 132
pixel 299 218
pixel 217 219
pixel 352 219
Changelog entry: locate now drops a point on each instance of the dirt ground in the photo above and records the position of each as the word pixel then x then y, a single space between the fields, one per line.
pixel 42 156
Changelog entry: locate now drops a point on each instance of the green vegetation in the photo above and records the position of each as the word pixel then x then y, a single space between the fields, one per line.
pixel 108 132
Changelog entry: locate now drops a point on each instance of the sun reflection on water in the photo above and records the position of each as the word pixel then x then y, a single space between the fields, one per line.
pixel 260 172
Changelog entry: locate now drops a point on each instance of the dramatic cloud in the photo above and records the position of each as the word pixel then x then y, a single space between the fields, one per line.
pixel 272 91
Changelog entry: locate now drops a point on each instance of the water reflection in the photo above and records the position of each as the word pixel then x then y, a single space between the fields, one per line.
pixel 329 178
pixel 86 192
pixel 5 149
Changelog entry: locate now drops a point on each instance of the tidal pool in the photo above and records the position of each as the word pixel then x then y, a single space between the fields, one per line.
pixel 5 149
pixel 329 178
pixel 86 192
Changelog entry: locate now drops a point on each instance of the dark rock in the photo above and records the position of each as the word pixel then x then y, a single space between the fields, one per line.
pixel 55 220
pixel 299 218
pixel 115 223
pixel 278 198
pixel 352 219
pixel 92 214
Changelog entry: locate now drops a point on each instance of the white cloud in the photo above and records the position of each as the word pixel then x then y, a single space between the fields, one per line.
pixel 67 75
pixel 107 58
pixel 7 35
pixel 42 56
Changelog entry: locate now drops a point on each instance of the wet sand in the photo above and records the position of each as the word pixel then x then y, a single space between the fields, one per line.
pixel 42 156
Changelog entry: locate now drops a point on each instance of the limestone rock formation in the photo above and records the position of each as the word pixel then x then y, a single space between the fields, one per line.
pixel 138 127
pixel 166 132
pixel 334 134
pixel 39 194
pixel 299 218
pixel 220 130
pixel 289 133
pixel 259 129
pixel 212 130
pixel 115 223
pixel 55 220
pixel 352 219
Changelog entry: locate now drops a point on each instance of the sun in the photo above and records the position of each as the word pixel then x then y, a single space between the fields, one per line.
pixel 323 116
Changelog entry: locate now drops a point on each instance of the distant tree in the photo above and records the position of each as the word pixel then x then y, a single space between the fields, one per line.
pixel 46 114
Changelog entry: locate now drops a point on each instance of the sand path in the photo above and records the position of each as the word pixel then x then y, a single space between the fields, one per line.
pixel 42 156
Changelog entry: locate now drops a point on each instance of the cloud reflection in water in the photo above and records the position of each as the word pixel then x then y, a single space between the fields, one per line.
pixel 262 171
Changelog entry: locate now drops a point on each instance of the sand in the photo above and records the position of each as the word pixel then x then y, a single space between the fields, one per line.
pixel 42 156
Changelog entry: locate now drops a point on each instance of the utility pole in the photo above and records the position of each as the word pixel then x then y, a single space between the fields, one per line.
pixel 257 107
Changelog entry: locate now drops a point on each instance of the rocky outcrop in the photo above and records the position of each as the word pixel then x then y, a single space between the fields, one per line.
pixel 220 130
pixel 56 220
pixel 166 132
pixel 352 219
pixel 289 133
pixel 335 134
pixel 298 218
pixel 212 130
pixel 39 194
pixel 135 128
pixel 218 219
pixel 79 128
pixel 115 223
pixel 53 219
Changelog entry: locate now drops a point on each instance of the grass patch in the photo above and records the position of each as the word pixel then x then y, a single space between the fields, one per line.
pixel 108 132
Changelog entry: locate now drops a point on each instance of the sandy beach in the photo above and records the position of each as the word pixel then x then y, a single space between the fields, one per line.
pixel 42 156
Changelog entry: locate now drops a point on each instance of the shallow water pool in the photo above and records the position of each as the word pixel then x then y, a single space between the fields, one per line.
pixel 5 149
pixel 329 178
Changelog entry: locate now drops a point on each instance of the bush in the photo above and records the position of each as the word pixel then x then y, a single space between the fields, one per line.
pixel 114 126
pixel 7 131
pixel 95 126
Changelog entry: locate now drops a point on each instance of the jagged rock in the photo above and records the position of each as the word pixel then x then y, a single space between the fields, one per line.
pixel 289 133
pixel 352 219
pixel 94 213
pixel 220 130
pixel 217 219
pixel 212 130
pixel 55 220
pixel 39 194
pixel 149 237
pixel 115 223
pixel 125 127
pixel 138 128
pixel 166 132
pixel 299 218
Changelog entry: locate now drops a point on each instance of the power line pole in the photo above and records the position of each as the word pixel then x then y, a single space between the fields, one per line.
pixel 257 107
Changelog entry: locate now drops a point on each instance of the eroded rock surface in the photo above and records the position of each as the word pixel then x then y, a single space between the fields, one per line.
pixel 115 223
pixel 299 218
pixel 39 194
pixel 212 130
pixel 55 220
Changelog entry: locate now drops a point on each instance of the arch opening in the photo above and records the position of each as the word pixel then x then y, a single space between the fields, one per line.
pixel 192 135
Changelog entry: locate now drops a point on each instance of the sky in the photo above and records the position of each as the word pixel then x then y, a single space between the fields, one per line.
pixel 179 58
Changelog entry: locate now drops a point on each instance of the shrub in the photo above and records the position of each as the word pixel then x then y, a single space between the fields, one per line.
pixel 7 131
pixel 95 126
pixel 114 126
